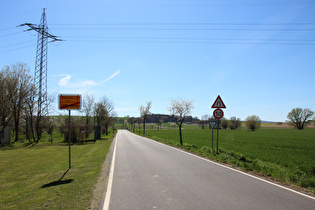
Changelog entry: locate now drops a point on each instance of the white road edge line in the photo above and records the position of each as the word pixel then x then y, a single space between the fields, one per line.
pixel 233 169
pixel 110 179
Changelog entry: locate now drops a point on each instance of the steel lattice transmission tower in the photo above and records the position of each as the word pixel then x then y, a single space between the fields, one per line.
pixel 40 77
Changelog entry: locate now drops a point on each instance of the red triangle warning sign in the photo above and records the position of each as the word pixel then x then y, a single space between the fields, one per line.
pixel 218 103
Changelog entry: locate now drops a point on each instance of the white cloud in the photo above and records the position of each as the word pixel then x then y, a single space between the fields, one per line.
pixel 87 83
pixel 112 76
pixel 65 80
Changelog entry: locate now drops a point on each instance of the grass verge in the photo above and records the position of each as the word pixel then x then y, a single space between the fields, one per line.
pixel 36 176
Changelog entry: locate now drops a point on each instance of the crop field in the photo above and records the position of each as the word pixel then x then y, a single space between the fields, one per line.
pixel 286 155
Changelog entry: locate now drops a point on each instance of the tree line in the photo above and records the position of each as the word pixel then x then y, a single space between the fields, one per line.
pixel 21 109
pixel 19 106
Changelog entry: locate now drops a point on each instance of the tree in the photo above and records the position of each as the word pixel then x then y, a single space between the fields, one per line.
pixel 41 118
pixel 88 103
pixel 299 117
pixel 29 117
pixel 99 113
pixel 224 123
pixel 133 121
pixel 5 108
pixel 18 84
pixel 202 124
pixel 180 108
pixel 111 114
pixel 253 122
pixel 235 123
pixel 144 112
pixel 104 113
pixel 204 121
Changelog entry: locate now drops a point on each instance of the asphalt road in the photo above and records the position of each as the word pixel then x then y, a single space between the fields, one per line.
pixel 150 175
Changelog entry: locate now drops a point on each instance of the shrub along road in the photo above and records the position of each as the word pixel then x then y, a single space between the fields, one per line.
pixel 147 174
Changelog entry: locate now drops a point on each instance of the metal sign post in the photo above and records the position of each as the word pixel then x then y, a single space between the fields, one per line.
pixel 212 125
pixel 69 138
pixel 212 138
pixel 69 102
pixel 218 136
pixel 218 114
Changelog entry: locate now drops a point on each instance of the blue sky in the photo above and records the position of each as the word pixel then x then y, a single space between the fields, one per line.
pixel 257 55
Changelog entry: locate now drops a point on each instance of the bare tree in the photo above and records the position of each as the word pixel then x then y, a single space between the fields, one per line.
pixel 29 116
pixel 88 103
pixel 299 117
pixel 180 108
pixel 204 121
pixel 41 118
pixel 99 113
pixel 104 113
pixel 144 112
pixel 111 114
pixel 253 122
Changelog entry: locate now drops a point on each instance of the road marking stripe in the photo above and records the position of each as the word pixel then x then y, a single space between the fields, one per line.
pixel 110 179
pixel 232 169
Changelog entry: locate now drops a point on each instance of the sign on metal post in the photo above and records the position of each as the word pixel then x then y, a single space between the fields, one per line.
pixel 218 114
pixel 212 125
pixel 69 102
pixel 218 103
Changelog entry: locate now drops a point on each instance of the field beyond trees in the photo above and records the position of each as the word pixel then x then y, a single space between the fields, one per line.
pixel 285 155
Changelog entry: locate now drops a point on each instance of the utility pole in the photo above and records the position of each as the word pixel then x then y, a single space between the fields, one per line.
pixel 40 77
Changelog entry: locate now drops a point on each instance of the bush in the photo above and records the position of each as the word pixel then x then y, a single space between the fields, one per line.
pixel 77 133
pixel 253 122
pixel 224 123
pixel 235 123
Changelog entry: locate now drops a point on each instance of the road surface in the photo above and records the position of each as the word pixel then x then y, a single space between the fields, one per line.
pixel 148 175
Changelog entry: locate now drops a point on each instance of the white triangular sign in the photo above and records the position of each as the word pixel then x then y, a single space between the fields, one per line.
pixel 218 103
pixel 212 124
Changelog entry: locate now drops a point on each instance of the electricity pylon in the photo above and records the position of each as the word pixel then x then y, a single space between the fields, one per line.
pixel 40 77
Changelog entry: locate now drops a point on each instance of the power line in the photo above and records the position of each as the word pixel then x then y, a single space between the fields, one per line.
pixel 196 38
pixel 6 46
pixel 197 26
pixel 14 49
pixel 118 26
pixel 191 40
pixel 187 29
pixel 179 23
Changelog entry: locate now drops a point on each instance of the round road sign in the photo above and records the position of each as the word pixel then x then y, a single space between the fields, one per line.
pixel 218 113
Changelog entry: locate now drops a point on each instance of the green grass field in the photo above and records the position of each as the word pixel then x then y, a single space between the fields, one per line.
pixel 30 175
pixel 283 154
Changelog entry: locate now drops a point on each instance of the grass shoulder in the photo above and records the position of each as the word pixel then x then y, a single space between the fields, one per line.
pixel 35 176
